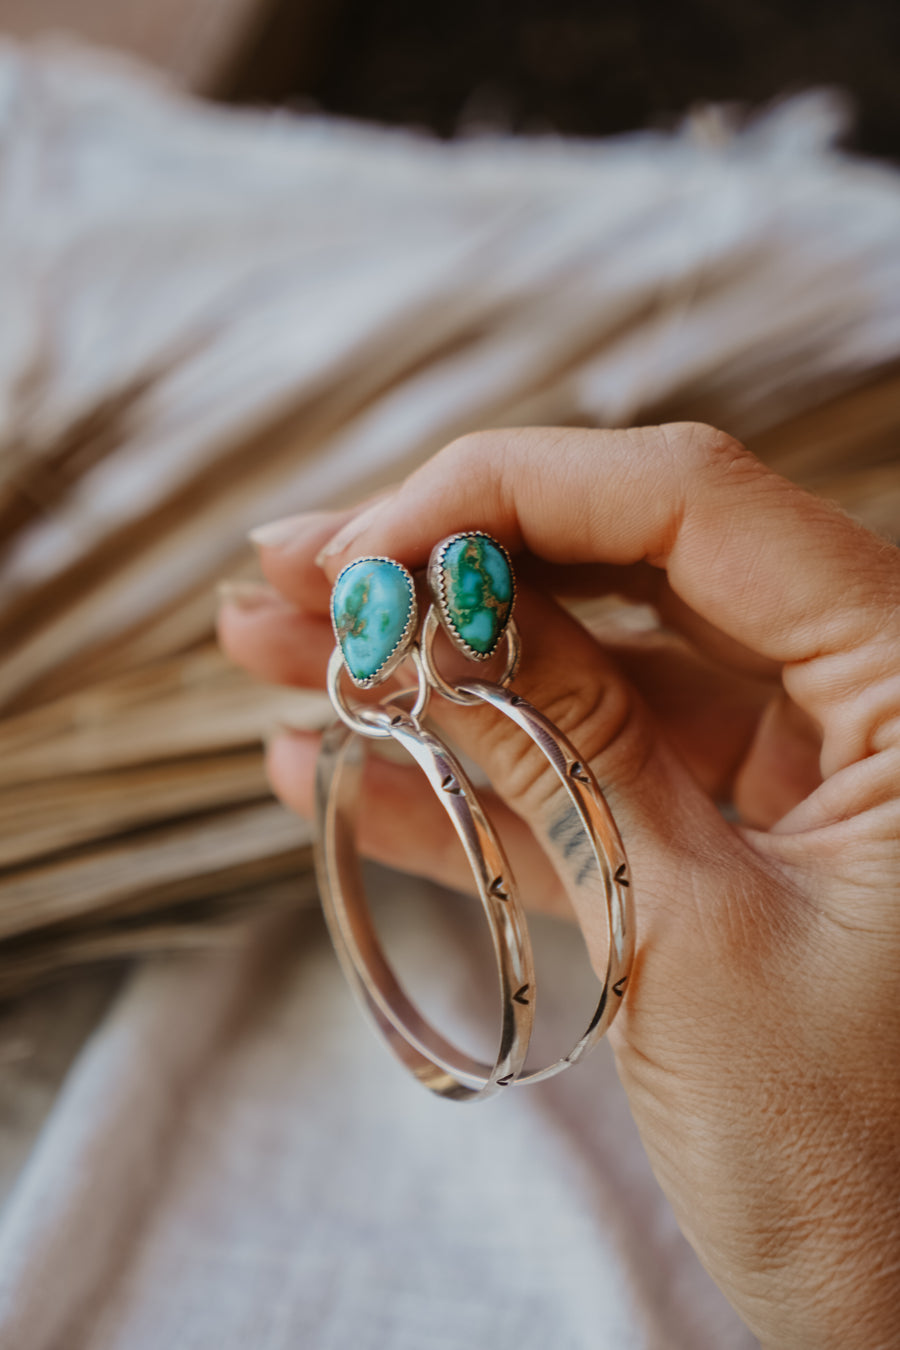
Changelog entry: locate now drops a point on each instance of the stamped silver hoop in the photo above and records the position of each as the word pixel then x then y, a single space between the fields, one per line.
pixel 439 1065
pixel 360 719
pixel 595 821
pixel 453 692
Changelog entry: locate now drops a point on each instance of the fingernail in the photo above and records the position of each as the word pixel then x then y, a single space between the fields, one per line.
pixel 245 595
pixel 279 533
pixel 352 530
pixel 285 731
pixel 276 731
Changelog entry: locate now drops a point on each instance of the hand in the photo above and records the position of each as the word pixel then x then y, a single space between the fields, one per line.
pixel 760 1039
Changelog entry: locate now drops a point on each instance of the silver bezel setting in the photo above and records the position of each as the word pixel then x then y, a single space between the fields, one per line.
pixel 402 646
pixel 439 593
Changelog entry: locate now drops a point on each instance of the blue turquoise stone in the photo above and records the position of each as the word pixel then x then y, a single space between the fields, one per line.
pixel 478 591
pixel 371 605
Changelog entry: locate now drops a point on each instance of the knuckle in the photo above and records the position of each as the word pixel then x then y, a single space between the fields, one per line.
pixel 705 449
pixel 475 448
pixel 480 460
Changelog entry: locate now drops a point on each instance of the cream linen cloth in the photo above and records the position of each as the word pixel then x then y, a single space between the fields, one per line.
pixel 236 1162
pixel 233 1160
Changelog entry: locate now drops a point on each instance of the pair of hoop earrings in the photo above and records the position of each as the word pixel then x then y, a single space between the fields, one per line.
pixel 375 618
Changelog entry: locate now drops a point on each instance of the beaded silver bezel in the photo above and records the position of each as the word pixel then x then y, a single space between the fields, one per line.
pixel 404 642
pixel 437 587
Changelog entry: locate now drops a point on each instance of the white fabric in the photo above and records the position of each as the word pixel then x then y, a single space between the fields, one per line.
pixel 235 1161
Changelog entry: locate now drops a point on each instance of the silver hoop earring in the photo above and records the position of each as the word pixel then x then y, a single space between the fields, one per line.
pixel 471 581
pixel 374 616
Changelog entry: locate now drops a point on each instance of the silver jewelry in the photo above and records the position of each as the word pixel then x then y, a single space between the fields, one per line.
pixel 439 1065
pixel 379 591
pixel 462 573
pixel 448 558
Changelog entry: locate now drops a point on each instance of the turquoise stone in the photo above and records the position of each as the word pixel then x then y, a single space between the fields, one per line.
pixel 371 605
pixel 477 591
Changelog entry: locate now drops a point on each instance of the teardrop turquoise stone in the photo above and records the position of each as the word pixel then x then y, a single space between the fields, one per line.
pixel 478 591
pixel 371 605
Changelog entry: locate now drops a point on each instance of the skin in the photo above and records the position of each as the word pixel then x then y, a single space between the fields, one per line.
pixel 760 1036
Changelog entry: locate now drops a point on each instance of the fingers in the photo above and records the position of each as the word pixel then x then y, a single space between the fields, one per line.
pixel 289 547
pixel 647 585
pixel 656 803
pixel 290 550
pixel 402 825
pixel 708 715
pixel 781 766
pixel 568 677
pixel 271 639
pixel 772 567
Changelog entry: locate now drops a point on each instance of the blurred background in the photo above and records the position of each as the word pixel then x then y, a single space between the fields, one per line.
pixel 264 255
pixel 574 67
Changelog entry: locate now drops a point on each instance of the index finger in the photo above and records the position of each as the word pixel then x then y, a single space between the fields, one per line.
pixel 784 572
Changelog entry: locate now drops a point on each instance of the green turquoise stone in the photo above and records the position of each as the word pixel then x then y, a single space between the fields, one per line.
pixel 371 606
pixel 478 591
